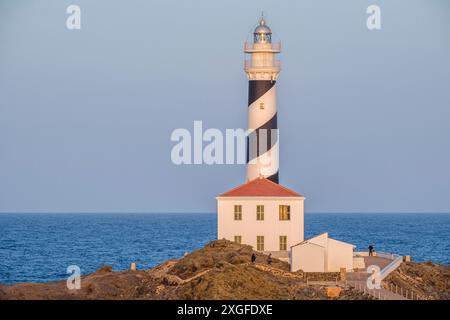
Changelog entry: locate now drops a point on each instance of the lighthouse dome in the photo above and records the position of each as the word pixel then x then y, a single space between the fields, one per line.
pixel 262 33
pixel 262 28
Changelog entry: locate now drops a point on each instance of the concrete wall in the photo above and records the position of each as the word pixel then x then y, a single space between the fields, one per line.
pixel 358 262
pixel 271 227
pixel 339 255
pixel 308 257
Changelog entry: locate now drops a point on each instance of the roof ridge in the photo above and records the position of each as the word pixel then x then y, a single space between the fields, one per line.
pixel 307 242
pixel 262 187
pixel 241 185
pixel 279 185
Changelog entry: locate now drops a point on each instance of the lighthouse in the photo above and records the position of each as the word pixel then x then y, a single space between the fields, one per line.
pixel 262 68
pixel 261 212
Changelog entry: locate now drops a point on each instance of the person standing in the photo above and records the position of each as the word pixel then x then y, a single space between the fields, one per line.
pixel 253 258
pixel 371 251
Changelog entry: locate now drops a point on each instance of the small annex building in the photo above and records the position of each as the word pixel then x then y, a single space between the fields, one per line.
pixel 322 254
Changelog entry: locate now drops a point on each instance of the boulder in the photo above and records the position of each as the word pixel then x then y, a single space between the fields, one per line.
pixel 333 292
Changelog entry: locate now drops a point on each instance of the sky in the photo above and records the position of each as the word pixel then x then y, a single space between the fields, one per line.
pixel 86 115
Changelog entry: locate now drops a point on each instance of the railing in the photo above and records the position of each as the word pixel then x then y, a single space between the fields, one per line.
pixel 396 262
pixel 390 256
pixel 382 293
pixel 408 294
pixel 268 47
pixel 381 254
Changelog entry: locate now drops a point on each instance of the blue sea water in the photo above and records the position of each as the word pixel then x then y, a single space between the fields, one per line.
pixel 39 247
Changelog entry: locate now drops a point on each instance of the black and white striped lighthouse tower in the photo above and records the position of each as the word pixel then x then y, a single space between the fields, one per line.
pixel 262 69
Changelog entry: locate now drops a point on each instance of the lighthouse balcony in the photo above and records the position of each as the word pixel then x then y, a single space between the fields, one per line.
pixel 251 47
pixel 262 66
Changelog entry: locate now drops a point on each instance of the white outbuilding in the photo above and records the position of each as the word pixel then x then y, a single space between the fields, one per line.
pixel 322 254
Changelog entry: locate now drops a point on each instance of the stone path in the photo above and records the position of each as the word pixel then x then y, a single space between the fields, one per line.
pixel 358 280
pixel 381 262
pixel 276 271
pixel 174 279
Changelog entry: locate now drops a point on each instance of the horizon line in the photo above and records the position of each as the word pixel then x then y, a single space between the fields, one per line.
pixel 210 212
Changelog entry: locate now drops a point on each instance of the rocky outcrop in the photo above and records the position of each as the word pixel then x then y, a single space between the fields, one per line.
pixel 220 270
pixel 423 280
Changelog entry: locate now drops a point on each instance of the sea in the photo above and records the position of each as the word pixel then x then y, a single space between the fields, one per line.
pixel 40 247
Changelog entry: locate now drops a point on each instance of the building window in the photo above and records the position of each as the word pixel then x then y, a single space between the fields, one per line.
pixel 285 212
pixel 238 239
pixel 283 243
pixel 260 243
pixel 259 212
pixel 237 212
pixel 261 106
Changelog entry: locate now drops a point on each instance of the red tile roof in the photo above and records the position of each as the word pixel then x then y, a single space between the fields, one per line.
pixel 260 187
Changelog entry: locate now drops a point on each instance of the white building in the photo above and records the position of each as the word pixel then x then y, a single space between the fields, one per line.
pixel 322 254
pixel 262 214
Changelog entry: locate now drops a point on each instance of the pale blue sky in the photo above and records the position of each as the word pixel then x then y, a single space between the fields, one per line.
pixel 86 116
